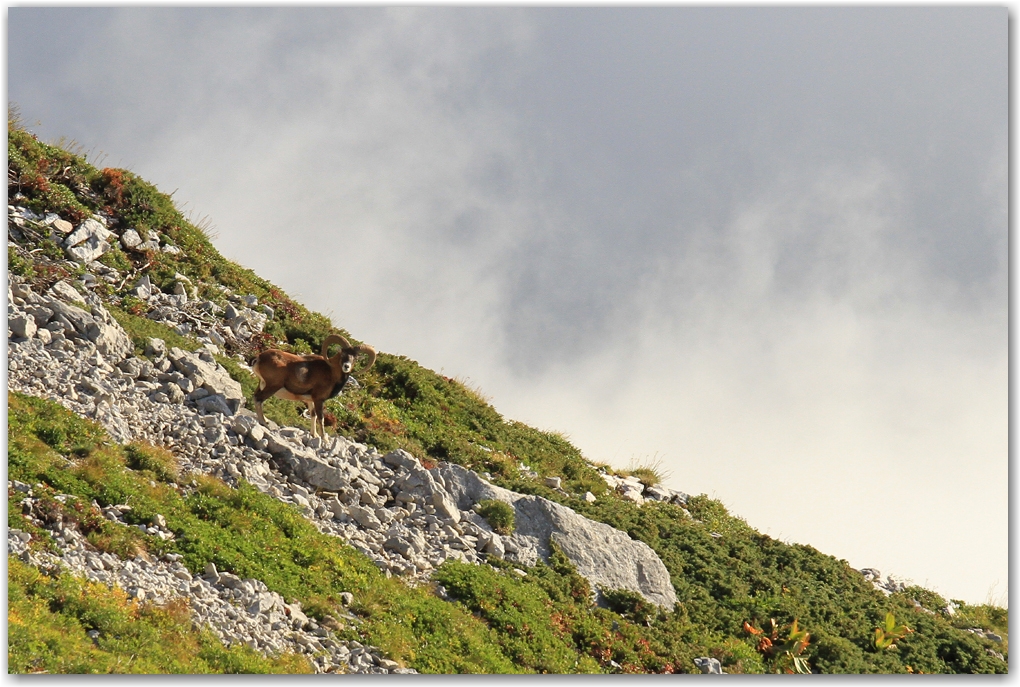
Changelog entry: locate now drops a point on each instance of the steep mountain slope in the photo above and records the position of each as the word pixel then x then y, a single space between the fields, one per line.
pixel 129 253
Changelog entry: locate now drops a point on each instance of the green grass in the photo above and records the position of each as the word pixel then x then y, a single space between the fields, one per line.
pixel 546 623
pixel 49 617
pixel 744 575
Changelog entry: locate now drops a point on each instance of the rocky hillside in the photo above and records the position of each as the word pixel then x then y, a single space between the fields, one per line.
pixel 148 508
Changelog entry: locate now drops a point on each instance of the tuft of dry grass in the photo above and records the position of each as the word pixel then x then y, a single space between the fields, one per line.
pixel 204 225
pixel 473 390
pixel 650 471
pixel 161 462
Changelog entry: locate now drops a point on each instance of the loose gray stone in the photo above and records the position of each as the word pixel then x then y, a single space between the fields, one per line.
pixel 62 225
pixel 657 493
pixel 631 492
pixel 365 517
pixel 109 338
pixel 213 403
pixel 130 239
pixel 92 249
pixel 257 434
pixel 401 459
pixel 445 507
pixel 709 666
pixel 89 229
pixel 304 462
pixel 21 290
pixel 41 314
pixel 229 580
pixel 155 348
pixel 65 292
pixel 131 367
pixel 213 377
pixel 143 288
pixel 22 326
pixel 494 546
pixel 243 424
pixel 399 545
pixel 297 617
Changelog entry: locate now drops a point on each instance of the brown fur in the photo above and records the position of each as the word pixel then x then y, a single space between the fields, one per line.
pixel 310 379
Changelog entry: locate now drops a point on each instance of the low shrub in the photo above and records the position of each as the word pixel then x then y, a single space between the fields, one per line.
pixel 49 619
pixel 498 514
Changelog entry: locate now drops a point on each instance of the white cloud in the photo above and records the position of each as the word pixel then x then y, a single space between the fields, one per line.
pixel 854 415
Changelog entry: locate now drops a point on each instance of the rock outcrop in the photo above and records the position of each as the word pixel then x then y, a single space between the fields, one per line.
pixel 52 313
pixel 205 373
pixel 607 557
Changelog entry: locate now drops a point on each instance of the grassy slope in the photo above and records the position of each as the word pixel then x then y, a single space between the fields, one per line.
pixel 721 582
pixel 49 617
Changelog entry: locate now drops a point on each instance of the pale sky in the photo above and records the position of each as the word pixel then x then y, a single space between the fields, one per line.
pixel 763 247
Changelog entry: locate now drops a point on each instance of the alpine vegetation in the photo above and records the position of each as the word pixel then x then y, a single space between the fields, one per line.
pixel 156 524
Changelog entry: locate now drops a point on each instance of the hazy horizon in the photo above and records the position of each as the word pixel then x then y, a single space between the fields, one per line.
pixel 765 248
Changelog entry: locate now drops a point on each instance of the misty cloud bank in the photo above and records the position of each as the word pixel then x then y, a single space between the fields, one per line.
pixel 766 246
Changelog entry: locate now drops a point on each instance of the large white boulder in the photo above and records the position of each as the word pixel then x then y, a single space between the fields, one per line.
pixel 605 556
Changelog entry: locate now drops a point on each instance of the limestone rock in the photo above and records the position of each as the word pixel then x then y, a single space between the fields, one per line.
pixel 244 424
pixel 401 459
pixel 89 229
pixel 213 403
pixel 65 292
pixel 91 249
pixel 143 288
pixel 445 507
pixel 709 666
pixel 305 464
pixel 130 239
pixel 155 349
pixel 605 556
pixel 400 545
pixel 208 375
pixel 22 326
pixel 62 225
pixel 108 336
pixel 631 492
pixel 365 517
